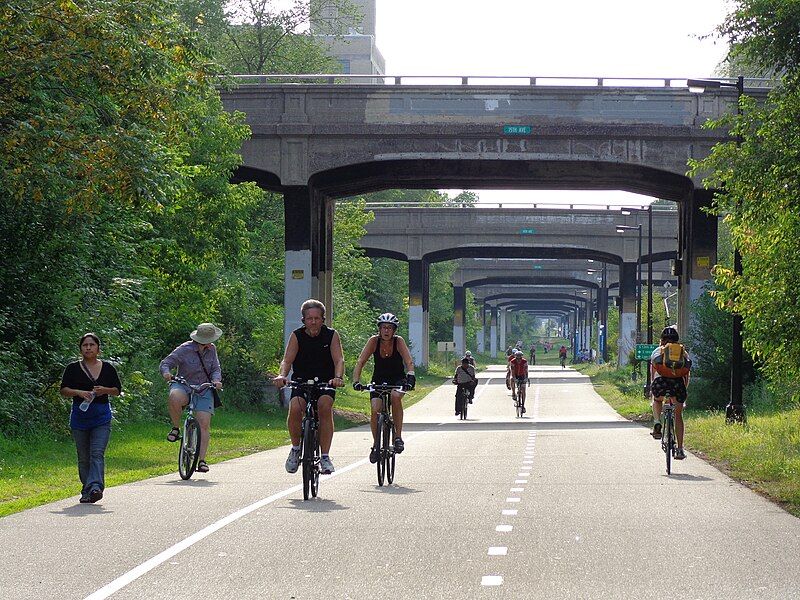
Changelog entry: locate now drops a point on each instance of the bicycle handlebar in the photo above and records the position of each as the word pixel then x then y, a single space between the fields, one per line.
pixel 200 388
pixel 382 387
pixel 311 384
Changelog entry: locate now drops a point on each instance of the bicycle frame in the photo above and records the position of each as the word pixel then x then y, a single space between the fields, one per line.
pixel 309 429
pixel 668 431
pixel 191 435
pixel 384 441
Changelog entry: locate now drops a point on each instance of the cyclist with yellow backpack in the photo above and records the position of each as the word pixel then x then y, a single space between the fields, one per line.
pixel 669 368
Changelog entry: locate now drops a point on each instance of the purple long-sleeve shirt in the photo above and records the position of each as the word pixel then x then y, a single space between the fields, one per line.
pixel 187 361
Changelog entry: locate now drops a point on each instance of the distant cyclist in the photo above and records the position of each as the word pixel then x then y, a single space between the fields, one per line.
pixel 663 384
pixel 562 356
pixel 464 377
pixel 314 351
pixel 518 367
pixel 393 366
pixel 532 360
pixel 470 359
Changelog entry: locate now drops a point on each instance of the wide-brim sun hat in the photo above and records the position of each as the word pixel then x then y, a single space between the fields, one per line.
pixel 206 333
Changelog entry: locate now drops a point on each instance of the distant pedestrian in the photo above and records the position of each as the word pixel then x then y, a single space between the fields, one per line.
pixel 90 382
pixel 532 361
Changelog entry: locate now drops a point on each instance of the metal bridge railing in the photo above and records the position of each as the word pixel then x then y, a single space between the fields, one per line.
pixel 480 80
pixel 662 208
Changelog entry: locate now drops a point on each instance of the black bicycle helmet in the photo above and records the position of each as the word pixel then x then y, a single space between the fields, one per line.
pixel 670 334
pixel 388 318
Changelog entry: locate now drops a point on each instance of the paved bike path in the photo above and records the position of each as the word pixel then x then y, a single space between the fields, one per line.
pixel 594 514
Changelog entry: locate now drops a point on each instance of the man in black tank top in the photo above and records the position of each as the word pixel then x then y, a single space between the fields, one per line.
pixel 314 351
pixel 393 366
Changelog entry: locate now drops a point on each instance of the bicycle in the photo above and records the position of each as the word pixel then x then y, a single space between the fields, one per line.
pixel 668 430
pixel 191 436
pixel 384 443
pixel 462 400
pixel 309 443
pixel 519 403
pixel 563 361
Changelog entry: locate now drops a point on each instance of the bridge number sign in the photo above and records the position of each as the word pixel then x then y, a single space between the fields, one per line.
pixel 517 129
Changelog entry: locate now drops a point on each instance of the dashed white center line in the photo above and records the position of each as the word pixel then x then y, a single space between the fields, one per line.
pixel 510 512
pixel 527 462
pixel 523 474
pixel 492 580
pixel 504 528
pixel 520 481
pixel 498 551
pixel 512 500
pixel 517 489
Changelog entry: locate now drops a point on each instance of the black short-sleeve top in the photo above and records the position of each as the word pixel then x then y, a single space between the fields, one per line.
pixel 99 411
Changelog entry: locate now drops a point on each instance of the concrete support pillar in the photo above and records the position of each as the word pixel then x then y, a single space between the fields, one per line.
pixel 459 310
pixel 698 252
pixel 627 318
pixel 417 313
pixel 503 345
pixel 602 328
pixel 482 331
pixel 493 333
pixel 308 270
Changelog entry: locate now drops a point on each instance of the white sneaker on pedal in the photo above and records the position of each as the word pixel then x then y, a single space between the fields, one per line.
pixel 326 466
pixel 293 461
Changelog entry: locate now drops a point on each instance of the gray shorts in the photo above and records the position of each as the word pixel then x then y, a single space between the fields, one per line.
pixel 203 402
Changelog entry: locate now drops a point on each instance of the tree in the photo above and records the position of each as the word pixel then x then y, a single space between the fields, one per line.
pixel 761 197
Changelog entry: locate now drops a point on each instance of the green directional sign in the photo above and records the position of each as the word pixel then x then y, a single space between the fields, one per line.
pixel 527 231
pixel 644 351
pixel 517 129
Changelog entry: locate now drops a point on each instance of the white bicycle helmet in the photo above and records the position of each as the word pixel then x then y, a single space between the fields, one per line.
pixel 388 318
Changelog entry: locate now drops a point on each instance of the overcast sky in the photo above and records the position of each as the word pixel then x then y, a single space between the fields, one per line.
pixel 578 38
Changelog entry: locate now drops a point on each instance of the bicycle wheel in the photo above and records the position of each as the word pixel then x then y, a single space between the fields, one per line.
pixel 668 442
pixel 315 462
pixel 389 444
pixel 381 447
pixel 307 458
pixel 464 404
pixel 189 452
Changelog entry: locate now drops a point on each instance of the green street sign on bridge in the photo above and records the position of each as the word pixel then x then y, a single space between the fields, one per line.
pixel 517 129
pixel 644 351
pixel 527 231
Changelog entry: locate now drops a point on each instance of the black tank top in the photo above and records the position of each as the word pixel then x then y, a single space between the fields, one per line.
pixel 390 369
pixel 313 355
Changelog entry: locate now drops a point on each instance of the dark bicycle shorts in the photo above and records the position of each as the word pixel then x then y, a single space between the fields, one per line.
pixel 303 394
pixel 673 385
pixel 373 395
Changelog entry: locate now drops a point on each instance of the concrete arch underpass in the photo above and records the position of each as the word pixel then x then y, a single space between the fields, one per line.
pixel 316 143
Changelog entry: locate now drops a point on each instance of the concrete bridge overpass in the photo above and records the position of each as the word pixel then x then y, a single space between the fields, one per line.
pixel 423 235
pixel 315 143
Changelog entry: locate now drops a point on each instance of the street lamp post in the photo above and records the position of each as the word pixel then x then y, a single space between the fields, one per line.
pixel 735 411
pixel 623 229
pixel 649 209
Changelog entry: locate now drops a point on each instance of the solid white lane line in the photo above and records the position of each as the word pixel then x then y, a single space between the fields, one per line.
pixel 504 528
pixel 483 389
pixel 492 580
pixel 509 512
pixel 147 566
pixel 498 551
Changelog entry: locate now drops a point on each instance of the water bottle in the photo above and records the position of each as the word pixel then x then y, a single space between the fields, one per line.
pixel 85 404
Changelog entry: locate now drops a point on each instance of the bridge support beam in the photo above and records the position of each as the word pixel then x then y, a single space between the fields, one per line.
pixel 627 317
pixel 308 271
pixel 459 310
pixel 481 337
pixel 698 254
pixel 493 332
pixel 602 328
pixel 417 311
pixel 503 319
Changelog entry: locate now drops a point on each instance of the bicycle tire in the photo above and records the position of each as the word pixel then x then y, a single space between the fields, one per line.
pixel 464 404
pixel 381 443
pixel 189 451
pixel 307 458
pixel 390 454
pixel 669 443
pixel 315 469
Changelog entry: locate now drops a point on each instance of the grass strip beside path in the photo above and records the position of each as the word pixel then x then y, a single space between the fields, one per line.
pixel 43 469
pixel 764 454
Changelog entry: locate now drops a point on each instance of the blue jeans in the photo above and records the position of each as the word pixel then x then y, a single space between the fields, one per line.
pixel 91 445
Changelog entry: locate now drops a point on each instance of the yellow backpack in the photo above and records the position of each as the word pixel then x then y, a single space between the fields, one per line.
pixel 672 362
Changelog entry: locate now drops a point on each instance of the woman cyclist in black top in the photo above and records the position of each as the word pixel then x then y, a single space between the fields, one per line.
pixel 393 366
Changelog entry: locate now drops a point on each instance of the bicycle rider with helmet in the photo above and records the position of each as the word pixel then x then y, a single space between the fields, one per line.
pixel 393 366
pixel 675 386
pixel 518 368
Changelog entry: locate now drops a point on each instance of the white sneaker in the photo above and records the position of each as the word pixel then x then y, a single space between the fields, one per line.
pixel 293 461
pixel 326 466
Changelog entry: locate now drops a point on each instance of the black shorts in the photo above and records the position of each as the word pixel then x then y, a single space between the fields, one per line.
pixel 300 393
pixel 377 395
pixel 673 385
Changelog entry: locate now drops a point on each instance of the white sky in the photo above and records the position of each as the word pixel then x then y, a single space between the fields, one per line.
pixel 577 38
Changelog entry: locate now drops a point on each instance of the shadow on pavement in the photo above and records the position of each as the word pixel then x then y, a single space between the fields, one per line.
pixel 687 477
pixel 393 488
pixel 82 510
pixel 316 505
pixel 189 482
